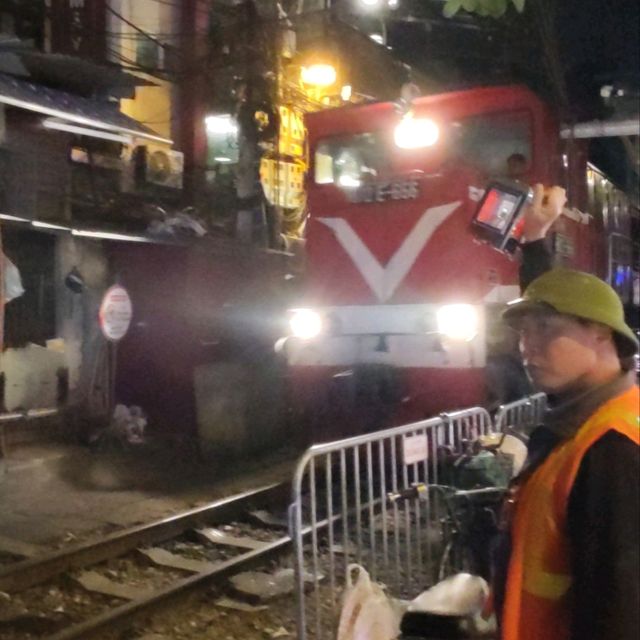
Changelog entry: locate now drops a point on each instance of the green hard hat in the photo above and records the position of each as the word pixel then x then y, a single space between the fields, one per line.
pixel 578 294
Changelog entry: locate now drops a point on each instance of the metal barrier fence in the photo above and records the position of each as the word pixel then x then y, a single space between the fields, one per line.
pixel 355 501
pixel 521 415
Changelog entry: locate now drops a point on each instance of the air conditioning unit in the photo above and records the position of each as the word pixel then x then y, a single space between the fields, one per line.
pixel 156 165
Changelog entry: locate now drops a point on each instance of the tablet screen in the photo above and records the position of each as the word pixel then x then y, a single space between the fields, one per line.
pixel 498 209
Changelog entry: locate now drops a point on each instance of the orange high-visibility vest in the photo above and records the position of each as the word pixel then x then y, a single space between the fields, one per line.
pixel 539 576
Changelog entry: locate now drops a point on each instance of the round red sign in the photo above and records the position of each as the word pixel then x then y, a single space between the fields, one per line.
pixel 115 313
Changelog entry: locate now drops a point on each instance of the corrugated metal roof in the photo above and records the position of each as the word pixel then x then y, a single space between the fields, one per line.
pixel 76 109
pixel 80 76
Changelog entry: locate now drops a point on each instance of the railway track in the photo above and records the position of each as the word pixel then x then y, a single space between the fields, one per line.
pixel 176 555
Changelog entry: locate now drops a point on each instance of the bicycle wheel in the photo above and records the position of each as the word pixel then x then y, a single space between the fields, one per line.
pixel 456 558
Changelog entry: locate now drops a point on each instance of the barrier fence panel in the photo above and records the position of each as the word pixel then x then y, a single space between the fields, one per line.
pixel 521 415
pixel 465 425
pixel 363 500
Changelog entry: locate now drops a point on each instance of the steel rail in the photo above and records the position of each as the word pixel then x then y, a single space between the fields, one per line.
pixel 120 618
pixel 27 573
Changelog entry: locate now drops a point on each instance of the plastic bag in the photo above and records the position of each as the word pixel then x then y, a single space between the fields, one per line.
pixel 516 449
pixel 456 607
pixel 459 595
pixel 128 423
pixel 126 427
pixel 488 469
pixel 12 281
pixel 367 613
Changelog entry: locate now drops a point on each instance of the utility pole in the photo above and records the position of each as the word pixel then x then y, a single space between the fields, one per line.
pixel 191 136
pixel 257 221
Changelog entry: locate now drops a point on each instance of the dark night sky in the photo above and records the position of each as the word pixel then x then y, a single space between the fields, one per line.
pixel 601 33
pixel 600 45
pixel 598 42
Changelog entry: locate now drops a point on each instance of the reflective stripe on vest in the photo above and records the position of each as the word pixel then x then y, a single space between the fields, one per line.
pixel 539 574
pixel 545 584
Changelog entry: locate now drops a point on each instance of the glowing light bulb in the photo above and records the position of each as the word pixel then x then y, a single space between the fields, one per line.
pixel 320 75
pixel 414 133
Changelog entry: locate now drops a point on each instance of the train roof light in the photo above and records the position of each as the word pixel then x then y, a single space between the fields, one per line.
pixel 415 133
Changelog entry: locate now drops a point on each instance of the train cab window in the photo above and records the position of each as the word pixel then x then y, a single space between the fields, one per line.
pixel 350 161
pixel 491 141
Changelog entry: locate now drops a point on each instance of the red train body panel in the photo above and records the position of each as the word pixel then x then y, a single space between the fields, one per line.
pixel 389 246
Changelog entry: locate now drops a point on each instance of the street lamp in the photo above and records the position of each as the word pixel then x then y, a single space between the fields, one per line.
pixel 319 75
pixel 221 124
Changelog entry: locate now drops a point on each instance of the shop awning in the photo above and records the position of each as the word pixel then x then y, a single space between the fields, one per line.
pixel 69 108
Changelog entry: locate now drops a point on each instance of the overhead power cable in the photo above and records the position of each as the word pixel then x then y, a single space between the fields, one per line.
pixel 135 27
pixel 133 65
pixel 201 66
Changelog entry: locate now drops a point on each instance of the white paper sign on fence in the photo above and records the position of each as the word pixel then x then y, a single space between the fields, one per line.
pixel 415 448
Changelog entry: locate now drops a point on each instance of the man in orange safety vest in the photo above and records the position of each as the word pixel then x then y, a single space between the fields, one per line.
pixel 568 564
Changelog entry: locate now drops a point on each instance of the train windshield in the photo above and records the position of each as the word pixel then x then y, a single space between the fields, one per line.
pixel 349 160
pixel 497 144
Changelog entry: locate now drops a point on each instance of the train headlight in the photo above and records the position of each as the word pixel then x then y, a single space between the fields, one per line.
pixel 458 321
pixel 305 323
pixel 415 133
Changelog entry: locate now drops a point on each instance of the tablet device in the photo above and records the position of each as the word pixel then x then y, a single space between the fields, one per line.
pixel 496 219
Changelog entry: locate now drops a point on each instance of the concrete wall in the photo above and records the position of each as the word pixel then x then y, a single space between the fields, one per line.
pixel 31 380
pixel 240 405
pixel 238 305
pixel 221 396
pixel 77 313
pixel 199 356
pixel 35 177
